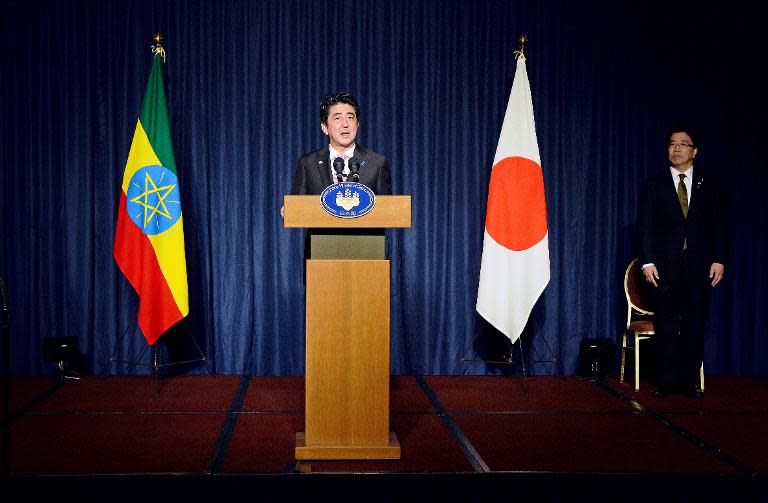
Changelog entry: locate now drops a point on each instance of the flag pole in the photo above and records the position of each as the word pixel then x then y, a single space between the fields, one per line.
pixel 157 48
pixel 520 53
pixel 5 451
pixel 522 40
pixel 157 45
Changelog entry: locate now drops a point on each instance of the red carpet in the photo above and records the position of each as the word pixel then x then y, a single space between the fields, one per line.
pixel 499 394
pixel 24 390
pixel 722 394
pixel 619 443
pixel 405 395
pixel 263 443
pixel 286 394
pixel 264 437
pixel 733 416
pixel 740 435
pixel 114 443
pixel 184 425
pixel 275 394
pixel 425 444
pixel 143 394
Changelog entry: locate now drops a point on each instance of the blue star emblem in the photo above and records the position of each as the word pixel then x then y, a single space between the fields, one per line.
pixel 153 199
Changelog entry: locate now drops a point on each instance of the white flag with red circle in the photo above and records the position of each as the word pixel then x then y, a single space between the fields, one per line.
pixel 514 269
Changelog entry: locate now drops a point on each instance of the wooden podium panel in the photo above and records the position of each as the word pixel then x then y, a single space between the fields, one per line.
pixel 347 362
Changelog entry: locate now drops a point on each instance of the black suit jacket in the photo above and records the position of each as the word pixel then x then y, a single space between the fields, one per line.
pixel 313 173
pixel 663 228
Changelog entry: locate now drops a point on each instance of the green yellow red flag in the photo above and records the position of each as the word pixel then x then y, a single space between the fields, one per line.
pixel 149 242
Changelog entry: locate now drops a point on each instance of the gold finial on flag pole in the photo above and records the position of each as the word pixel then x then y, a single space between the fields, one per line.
pixel 157 45
pixel 520 53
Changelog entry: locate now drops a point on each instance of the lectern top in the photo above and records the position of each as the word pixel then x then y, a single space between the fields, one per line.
pixel 388 212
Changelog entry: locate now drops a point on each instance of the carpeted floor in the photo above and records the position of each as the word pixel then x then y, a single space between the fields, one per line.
pixel 208 425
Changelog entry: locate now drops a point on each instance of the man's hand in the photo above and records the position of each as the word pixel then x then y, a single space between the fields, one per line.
pixel 716 272
pixel 651 275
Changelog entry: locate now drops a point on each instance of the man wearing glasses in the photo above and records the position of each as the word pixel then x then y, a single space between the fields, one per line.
pixel 681 226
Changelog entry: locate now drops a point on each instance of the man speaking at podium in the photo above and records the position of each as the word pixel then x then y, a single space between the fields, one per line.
pixel 350 421
pixel 342 159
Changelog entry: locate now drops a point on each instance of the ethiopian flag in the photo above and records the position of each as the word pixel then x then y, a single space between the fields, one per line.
pixel 149 242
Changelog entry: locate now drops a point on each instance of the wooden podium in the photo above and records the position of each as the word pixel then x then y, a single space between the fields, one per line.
pixel 347 332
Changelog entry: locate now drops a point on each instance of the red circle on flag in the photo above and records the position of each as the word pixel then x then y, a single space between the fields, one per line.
pixel 517 210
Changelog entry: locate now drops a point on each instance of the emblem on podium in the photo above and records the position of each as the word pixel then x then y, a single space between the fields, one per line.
pixel 347 199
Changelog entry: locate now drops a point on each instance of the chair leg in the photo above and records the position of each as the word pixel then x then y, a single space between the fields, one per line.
pixel 637 363
pixel 701 377
pixel 623 354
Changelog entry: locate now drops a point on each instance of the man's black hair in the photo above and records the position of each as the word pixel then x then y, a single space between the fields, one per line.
pixel 335 98
pixel 687 129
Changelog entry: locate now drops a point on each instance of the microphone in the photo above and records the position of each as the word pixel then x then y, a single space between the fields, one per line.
pixel 338 167
pixel 354 170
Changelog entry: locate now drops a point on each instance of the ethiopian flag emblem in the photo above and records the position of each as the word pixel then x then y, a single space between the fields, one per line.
pixel 149 242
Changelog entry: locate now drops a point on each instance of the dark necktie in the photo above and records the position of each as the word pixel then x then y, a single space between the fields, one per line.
pixel 682 196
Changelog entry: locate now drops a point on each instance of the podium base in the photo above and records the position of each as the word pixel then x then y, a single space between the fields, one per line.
pixel 318 452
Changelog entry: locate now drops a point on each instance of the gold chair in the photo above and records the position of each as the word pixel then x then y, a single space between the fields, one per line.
pixel 639 319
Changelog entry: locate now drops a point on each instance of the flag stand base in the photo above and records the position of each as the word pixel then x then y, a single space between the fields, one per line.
pixel 508 358
pixel 156 366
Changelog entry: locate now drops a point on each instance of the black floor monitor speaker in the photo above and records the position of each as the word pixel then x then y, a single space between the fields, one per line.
pixel 596 357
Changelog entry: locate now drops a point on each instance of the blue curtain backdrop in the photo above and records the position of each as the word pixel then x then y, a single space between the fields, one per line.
pixel 244 80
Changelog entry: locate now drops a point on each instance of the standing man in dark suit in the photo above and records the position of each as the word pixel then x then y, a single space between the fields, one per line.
pixel 339 120
pixel 681 225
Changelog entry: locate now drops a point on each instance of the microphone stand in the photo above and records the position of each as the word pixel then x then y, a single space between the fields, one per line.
pixel 338 168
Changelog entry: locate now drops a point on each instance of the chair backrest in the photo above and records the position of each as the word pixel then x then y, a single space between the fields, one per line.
pixel 637 290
